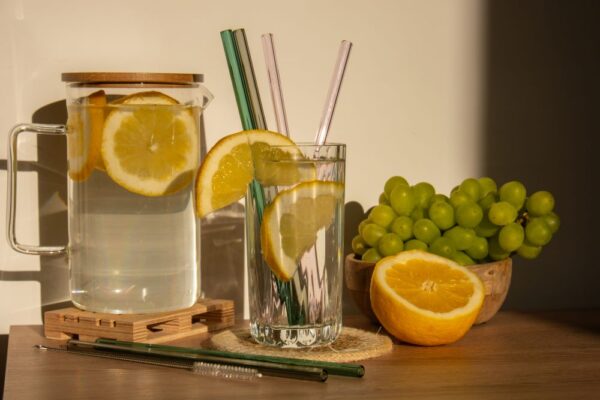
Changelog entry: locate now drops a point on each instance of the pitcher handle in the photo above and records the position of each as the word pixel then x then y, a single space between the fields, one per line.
pixel 11 169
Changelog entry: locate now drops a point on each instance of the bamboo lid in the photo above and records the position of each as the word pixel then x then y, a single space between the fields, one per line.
pixel 131 77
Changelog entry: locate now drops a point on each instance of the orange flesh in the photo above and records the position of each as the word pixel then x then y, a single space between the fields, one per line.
pixel 430 286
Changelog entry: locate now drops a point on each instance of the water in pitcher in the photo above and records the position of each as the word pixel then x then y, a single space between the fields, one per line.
pixel 132 231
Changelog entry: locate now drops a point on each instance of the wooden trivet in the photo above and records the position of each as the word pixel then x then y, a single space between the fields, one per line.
pixel 206 315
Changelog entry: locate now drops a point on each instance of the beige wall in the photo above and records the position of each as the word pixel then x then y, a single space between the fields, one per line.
pixel 410 104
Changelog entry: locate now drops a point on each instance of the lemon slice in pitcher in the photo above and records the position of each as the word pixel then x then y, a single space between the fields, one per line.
pixel 84 137
pixel 235 160
pixel 291 223
pixel 150 144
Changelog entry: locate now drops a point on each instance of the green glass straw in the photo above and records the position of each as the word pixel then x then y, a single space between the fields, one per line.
pixel 265 368
pixel 342 369
pixel 251 115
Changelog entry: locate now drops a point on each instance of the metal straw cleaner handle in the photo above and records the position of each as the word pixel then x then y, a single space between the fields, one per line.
pixel 11 169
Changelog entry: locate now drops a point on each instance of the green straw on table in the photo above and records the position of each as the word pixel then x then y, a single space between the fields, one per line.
pixel 265 368
pixel 251 115
pixel 341 369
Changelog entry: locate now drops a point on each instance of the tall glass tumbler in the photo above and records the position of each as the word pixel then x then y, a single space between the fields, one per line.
pixel 294 230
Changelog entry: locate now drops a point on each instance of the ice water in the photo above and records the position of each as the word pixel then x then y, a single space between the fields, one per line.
pixel 307 310
pixel 130 253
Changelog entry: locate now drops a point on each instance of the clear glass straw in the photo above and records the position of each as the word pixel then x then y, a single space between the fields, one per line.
pixel 252 92
pixel 275 83
pixel 334 90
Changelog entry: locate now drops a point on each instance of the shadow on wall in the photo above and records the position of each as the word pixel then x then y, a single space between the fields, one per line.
pixel 540 124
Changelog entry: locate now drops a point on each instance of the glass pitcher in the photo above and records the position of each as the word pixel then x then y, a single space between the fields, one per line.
pixel 133 148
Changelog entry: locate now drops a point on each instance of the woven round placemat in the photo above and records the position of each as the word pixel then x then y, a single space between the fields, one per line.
pixel 352 345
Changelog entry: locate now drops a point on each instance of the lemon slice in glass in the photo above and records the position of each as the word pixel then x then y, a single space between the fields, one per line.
pixel 150 144
pixel 84 137
pixel 235 160
pixel 292 221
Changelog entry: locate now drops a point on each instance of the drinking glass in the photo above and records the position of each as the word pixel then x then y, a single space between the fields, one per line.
pixel 294 230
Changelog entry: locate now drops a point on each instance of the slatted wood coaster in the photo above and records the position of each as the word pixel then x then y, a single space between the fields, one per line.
pixel 205 316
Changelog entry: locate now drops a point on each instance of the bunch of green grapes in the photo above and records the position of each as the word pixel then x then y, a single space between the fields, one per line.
pixel 477 223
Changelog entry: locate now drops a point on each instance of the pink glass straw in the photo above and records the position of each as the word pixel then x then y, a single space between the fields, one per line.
pixel 275 83
pixel 334 90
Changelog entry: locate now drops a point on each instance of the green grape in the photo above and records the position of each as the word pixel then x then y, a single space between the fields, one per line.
pixel 488 185
pixel 359 246
pixel 537 232
pixel 415 244
pixel 442 247
pixel 383 199
pixel 382 215
pixel 553 221
pixel 423 192
pixel 462 238
pixel 486 201
pixel 403 227
pixel 471 187
pixel 540 203
pixel 462 259
pixel 495 251
pixel 478 249
pixel 418 213
pixel 371 255
pixel 458 198
pixel 469 215
pixel 402 199
pixel 529 251
pixel 511 237
pixel 438 197
pixel 442 214
pixel 513 192
pixel 371 234
pixel 502 213
pixel 390 244
pixel 486 228
pixel 362 225
pixel 425 230
pixel 391 183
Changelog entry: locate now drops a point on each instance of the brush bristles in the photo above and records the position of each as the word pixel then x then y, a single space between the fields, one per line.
pixel 225 371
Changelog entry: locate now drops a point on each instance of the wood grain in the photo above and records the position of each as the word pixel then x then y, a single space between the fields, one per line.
pixel 130 77
pixel 553 355
pixel 206 315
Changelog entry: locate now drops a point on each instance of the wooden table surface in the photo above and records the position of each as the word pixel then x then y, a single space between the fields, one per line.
pixel 515 355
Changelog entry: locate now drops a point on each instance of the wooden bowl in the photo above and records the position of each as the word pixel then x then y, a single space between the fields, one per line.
pixel 495 276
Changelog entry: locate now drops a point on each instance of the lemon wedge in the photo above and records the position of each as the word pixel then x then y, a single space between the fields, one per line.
pixel 425 299
pixel 292 221
pixel 236 159
pixel 84 137
pixel 150 144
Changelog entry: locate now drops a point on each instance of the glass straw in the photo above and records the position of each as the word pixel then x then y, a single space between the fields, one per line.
pixel 250 79
pixel 334 90
pixel 275 84
pixel 248 114
pixel 237 79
